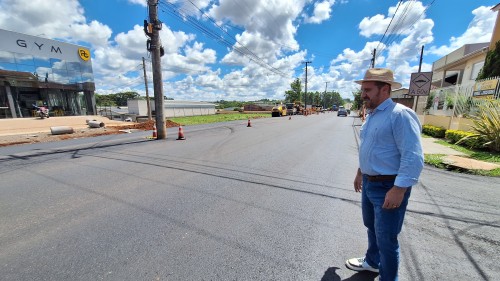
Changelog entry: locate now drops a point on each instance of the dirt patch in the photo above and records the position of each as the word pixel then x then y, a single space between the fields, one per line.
pixel 80 133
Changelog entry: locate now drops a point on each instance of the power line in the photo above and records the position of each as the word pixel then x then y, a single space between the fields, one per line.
pixel 221 37
pixel 397 8
pixel 397 30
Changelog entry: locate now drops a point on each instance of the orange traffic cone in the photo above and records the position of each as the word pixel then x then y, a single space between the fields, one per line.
pixel 249 124
pixel 155 133
pixel 181 134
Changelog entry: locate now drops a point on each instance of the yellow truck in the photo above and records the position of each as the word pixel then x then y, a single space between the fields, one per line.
pixel 278 110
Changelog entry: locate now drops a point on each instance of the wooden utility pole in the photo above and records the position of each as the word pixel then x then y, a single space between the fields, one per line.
pixel 305 94
pixel 324 95
pixel 420 68
pixel 146 85
pixel 154 48
pixel 373 59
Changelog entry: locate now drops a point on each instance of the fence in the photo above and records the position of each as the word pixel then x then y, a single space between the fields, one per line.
pixel 463 99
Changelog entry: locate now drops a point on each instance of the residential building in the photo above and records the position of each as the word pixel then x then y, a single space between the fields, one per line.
pixel 460 66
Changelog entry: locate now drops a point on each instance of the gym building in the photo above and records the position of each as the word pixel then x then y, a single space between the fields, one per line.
pixel 44 72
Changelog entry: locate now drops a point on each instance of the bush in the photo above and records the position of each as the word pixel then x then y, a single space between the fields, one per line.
pixel 455 135
pixel 433 131
pixel 467 139
pixel 487 124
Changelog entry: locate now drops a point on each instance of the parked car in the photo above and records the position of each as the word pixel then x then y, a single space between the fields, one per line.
pixel 342 112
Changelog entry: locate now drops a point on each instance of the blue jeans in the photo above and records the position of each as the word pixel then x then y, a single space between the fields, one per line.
pixel 383 225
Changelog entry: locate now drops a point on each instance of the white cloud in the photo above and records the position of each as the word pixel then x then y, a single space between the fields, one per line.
pixel 322 12
pixel 36 17
pixel 399 20
pixel 479 31
pixel 266 29
pixel 143 3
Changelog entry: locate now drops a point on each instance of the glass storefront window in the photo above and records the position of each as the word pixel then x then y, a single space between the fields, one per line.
pixel 58 64
pixel 24 59
pixel 43 72
pixel 26 68
pixel 73 66
pixel 74 77
pixel 42 62
pixel 7 57
pixel 87 77
pixel 8 66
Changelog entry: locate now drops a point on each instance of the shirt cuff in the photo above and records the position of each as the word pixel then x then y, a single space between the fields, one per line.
pixel 405 182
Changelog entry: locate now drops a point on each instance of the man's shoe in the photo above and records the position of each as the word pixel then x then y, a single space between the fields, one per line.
pixel 359 264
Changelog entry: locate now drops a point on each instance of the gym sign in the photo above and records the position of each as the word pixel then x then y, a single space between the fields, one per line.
pixel 41 47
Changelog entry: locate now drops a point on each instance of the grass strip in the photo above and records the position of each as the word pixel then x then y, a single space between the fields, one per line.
pixel 205 119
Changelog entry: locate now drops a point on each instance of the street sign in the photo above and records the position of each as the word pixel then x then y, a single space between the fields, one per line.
pixel 420 84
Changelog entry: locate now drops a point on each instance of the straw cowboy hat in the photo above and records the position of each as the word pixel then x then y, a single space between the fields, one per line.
pixel 382 75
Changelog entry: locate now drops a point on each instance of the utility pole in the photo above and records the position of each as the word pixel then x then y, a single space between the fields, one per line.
pixel 146 85
pixel 324 96
pixel 419 68
pixel 154 28
pixel 373 59
pixel 305 94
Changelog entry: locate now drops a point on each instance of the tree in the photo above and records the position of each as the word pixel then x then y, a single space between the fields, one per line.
pixel 104 100
pixel 316 98
pixel 121 98
pixel 491 66
pixel 295 94
pixel 337 99
pixel 358 102
pixel 118 99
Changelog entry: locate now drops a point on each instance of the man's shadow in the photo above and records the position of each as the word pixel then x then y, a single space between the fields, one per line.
pixel 331 275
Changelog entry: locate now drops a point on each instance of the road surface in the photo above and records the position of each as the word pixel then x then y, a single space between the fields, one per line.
pixel 269 202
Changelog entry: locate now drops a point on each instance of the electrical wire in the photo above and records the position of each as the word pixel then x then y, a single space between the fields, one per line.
pixel 398 30
pixel 222 37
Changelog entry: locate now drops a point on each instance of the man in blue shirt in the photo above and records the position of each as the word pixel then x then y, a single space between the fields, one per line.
pixel 390 162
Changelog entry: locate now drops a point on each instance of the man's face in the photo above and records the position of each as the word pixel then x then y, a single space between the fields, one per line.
pixel 373 96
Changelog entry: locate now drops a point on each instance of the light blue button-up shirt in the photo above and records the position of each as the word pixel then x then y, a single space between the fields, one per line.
pixel 391 145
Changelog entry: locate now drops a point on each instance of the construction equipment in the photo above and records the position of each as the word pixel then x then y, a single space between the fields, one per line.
pixel 293 108
pixel 279 110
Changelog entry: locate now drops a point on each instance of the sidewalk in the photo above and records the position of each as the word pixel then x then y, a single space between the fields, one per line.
pixel 452 157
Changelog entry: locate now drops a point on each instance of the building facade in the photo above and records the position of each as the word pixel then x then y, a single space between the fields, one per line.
pixel 460 66
pixel 44 72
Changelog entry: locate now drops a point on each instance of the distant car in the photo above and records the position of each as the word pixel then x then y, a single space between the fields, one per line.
pixel 342 112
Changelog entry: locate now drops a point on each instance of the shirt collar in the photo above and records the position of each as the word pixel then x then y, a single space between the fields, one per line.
pixel 380 107
pixel 384 105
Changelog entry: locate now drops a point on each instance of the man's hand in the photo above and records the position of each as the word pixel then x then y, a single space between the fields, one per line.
pixel 394 197
pixel 358 181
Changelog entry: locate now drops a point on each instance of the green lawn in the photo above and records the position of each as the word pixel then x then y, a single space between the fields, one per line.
pixel 204 119
pixel 436 159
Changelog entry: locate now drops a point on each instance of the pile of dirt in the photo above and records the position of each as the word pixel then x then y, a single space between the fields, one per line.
pixel 148 125
pixel 81 133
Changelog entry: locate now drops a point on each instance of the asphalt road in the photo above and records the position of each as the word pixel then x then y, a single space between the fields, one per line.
pixel 271 202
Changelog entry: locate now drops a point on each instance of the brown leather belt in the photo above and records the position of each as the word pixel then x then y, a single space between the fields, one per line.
pixel 380 178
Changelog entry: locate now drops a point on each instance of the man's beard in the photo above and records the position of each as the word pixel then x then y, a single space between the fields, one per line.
pixel 368 103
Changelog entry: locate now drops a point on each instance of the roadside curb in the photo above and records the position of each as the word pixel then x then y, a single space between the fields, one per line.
pixel 468 164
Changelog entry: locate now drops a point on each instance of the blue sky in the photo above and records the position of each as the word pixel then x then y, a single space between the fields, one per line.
pixel 337 36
